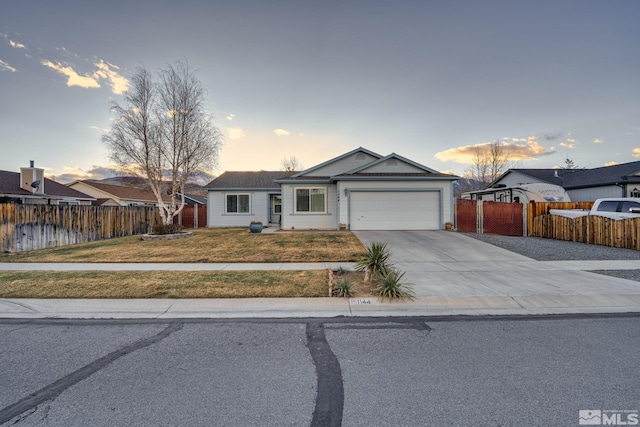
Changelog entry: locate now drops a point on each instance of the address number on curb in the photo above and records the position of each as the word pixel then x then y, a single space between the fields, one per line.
pixel 363 301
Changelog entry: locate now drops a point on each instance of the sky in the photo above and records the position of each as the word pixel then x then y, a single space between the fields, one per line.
pixel 426 79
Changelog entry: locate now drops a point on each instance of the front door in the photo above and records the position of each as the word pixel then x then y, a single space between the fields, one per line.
pixel 276 209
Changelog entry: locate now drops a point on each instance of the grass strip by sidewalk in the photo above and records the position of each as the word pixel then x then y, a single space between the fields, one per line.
pixel 163 284
pixel 208 245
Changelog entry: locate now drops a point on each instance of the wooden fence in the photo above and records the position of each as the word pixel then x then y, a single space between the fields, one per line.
pixel 467 215
pixel 192 216
pixel 489 217
pixel 30 227
pixel 502 218
pixel 591 229
pixel 535 209
pixel 594 230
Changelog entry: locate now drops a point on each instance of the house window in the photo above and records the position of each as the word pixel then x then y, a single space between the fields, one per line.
pixel 310 200
pixel 238 203
pixel 277 204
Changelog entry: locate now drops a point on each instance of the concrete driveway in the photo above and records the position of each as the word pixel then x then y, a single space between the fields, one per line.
pixel 446 265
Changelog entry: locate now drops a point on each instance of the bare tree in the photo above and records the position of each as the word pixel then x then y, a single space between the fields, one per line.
pixel 488 163
pixel 291 164
pixel 569 164
pixel 164 134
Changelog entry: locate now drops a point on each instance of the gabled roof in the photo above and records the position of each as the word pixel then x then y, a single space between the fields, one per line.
pixel 387 158
pixel 243 180
pixel 10 186
pixel 127 193
pixel 201 200
pixel 335 159
pixel 577 178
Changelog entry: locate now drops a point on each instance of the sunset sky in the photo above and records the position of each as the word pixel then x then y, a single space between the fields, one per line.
pixel 426 79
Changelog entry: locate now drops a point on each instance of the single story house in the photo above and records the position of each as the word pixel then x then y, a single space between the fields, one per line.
pixel 29 186
pixel 582 185
pixel 117 195
pixel 359 190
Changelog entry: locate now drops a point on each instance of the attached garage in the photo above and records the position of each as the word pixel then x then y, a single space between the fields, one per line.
pixel 395 210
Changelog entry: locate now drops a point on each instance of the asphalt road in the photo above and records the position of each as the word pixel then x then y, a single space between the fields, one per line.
pixel 317 372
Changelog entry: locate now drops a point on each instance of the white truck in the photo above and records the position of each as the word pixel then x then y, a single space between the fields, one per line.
pixel 614 208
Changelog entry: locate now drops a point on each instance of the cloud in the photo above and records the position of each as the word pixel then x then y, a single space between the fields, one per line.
pixel 636 153
pixel 73 78
pixel 235 133
pixel 528 149
pixel 6 67
pixel 17 45
pixel 230 117
pixel 105 71
pixel 281 132
pixel 552 136
pixel 611 163
pixel 597 141
pixel 571 143
pixel 118 83
pixel 99 128
pixel 71 173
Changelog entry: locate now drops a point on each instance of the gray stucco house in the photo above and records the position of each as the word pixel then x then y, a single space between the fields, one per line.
pixel 359 190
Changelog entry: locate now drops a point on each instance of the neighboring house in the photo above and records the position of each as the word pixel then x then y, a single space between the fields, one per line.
pixel 359 190
pixel 117 195
pixel 582 185
pixel 195 199
pixel 29 186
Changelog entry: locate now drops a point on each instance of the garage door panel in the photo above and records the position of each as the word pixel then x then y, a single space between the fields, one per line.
pixel 400 210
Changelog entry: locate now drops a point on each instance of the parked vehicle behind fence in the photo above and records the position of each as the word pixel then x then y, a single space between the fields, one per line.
pixel 614 208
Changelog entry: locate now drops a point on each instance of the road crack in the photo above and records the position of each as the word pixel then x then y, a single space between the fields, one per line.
pixel 330 394
pixel 56 388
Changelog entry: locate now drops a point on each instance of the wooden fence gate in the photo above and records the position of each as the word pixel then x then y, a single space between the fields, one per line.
pixel 503 218
pixel 490 217
pixel 467 215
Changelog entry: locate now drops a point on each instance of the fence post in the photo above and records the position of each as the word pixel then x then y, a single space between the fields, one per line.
pixel 195 215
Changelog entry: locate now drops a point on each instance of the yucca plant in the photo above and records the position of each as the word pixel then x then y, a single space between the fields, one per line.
pixel 390 286
pixel 375 262
pixel 344 287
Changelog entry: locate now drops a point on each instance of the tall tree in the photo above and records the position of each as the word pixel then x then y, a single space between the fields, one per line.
pixel 291 164
pixel 163 133
pixel 489 161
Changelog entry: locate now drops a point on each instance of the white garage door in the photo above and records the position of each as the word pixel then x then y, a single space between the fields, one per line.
pixel 400 210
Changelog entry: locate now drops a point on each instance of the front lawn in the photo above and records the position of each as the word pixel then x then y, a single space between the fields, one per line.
pixel 163 284
pixel 208 245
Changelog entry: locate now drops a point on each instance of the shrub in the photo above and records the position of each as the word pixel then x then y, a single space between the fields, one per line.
pixel 375 262
pixel 390 286
pixel 344 287
pixel 339 271
pixel 167 229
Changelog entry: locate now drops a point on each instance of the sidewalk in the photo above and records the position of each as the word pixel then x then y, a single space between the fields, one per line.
pixel 516 287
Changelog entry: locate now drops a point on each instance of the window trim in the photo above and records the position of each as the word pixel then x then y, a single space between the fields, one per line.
pixel 309 212
pixel 237 195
